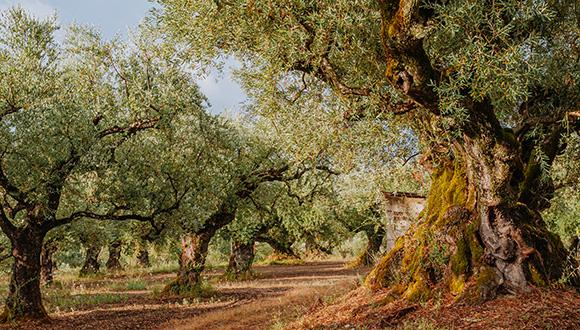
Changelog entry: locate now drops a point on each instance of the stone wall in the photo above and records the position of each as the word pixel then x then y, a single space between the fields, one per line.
pixel 401 209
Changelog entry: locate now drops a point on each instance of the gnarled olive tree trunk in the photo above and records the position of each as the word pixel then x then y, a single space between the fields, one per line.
pixel 195 244
pixel 24 299
pixel 114 262
pixel 477 235
pixel 91 265
pixel 241 259
pixel 194 248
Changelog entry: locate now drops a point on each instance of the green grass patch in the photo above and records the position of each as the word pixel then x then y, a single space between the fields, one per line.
pixel 160 269
pixel 71 302
pixel 202 290
pixel 137 285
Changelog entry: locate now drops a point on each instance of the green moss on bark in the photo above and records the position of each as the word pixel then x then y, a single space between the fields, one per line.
pixel 435 247
pixel 460 259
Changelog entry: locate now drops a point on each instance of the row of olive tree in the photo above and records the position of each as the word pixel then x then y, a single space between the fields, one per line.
pixel 94 130
pixel 107 131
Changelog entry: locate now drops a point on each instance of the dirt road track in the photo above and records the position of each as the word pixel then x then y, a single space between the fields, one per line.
pixel 278 295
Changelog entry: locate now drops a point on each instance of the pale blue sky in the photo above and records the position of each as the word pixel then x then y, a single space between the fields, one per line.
pixel 116 17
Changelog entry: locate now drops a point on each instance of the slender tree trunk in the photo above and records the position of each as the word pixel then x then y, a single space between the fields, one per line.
pixel 191 262
pixel 48 265
pixel 476 238
pixel 143 256
pixel 24 299
pixel 375 241
pixel 114 263
pixel 91 265
pixel 241 259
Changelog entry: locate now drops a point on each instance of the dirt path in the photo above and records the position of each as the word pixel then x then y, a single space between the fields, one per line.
pixel 279 295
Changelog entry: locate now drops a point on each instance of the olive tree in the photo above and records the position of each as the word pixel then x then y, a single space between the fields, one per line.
pixel 490 88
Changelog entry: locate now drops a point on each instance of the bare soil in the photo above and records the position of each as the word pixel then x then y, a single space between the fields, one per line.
pixel 278 295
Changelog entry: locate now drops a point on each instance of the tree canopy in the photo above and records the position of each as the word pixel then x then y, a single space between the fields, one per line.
pixel 473 103
pixel 489 89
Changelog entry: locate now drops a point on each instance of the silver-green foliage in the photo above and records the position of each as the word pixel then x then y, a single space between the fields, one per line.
pixel 95 128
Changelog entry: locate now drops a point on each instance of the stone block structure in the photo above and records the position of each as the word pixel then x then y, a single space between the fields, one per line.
pixel 401 209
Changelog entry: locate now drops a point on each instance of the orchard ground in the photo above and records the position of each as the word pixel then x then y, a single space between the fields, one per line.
pixel 276 296
pixel 321 295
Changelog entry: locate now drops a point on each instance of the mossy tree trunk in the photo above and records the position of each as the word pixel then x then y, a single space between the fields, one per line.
pixel 241 259
pixel 24 299
pixel 480 234
pixel 114 260
pixel 91 265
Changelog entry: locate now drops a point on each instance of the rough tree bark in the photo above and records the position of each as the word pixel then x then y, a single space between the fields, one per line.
pixel 91 265
pixel 241 259
pixel 194 248
pixel 113 262
pixel 48 265
pixel 24 299
pixel 481 233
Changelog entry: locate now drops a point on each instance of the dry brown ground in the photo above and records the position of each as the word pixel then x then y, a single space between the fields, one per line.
pixel 361 309
pixel 318 295
pixel 279 294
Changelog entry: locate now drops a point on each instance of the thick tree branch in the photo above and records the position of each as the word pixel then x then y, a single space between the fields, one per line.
pixel 113 216
pixel 107 216
pixel 409 69
pixel 130 129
